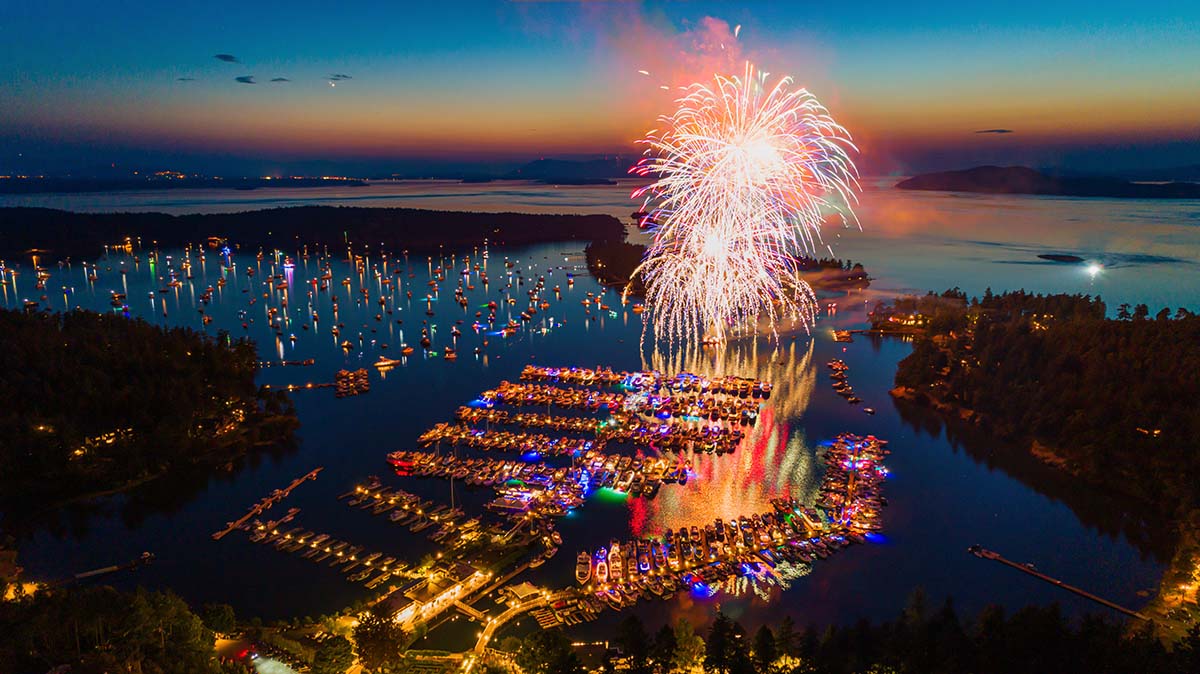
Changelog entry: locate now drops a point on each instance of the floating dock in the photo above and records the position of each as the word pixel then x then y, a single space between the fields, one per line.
pixel 265 504
pixel 370 568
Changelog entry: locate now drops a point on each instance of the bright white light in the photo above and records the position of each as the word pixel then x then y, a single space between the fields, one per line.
pixel 1094 268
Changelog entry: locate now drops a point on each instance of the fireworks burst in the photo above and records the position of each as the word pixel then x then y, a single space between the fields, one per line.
pixel 744 175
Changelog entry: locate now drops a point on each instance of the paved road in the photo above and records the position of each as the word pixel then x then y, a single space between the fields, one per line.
pixel 509 614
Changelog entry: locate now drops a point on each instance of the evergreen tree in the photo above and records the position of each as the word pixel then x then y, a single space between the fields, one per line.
pixel 690 648
pixel 726 650
pixel 718 647
pixel 379 641
pixel 663 649
pixel 765 649
pixel 634 643
pixel 1187 651
pixel 786 637
pixel 548 652
pixel 219 618
pixel 334 656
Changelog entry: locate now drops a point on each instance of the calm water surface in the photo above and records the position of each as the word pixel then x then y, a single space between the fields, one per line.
pixel 949 490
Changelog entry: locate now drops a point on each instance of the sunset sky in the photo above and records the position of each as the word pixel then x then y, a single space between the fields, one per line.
pixel 371 85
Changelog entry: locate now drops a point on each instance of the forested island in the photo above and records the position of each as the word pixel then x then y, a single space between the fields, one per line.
pixel 63 234
pixel 93 403
pixel 612 263
pixel 1023 180
pixel 1110 400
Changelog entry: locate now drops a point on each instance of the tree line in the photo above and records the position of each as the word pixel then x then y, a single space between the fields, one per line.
pixel 928 640
pixel 96 630
pixel 1112 400
pixel 83 235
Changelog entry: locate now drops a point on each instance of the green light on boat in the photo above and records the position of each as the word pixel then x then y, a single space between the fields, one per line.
pixel 610 494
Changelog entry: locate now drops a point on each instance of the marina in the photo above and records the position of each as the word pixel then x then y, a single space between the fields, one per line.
pixel 624 338
pixel 775 457
pixel 701 557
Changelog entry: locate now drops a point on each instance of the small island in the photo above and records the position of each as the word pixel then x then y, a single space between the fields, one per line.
pixel 1064 258
pixel 613 262
pixel 1023 180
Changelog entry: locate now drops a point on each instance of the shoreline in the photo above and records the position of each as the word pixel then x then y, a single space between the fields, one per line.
pixel 1178 584
pixel 1045 454
pixel 223 452
pixel 61 235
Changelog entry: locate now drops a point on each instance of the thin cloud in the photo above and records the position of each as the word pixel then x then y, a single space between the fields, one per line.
pixel 185 79
pixel 994 131
pixel 280 79
pixel 338 77
pixel 228 58
pixel 246 79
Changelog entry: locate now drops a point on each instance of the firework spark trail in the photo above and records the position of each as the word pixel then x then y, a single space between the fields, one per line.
pixel 744 175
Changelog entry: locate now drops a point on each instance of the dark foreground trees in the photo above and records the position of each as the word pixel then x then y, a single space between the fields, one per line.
pixel 334 656
pixel 380 641
pixel 932 641
pixel 548 652
pixel 98 629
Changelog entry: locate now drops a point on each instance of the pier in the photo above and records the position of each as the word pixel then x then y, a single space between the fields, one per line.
pixel 650 380
pixel 699 406
pixel 348 383
pixel 145 559
pixel 445 523
pixel 546 489
pixel 317 548
pixel 688 434
pixel 287 363
pixel 265 504
pixel 983 553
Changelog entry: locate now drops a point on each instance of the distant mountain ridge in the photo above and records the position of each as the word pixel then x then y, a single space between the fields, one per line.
pixel 1024 180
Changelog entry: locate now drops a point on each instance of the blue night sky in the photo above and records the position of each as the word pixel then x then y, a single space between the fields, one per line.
pixel 1079 84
